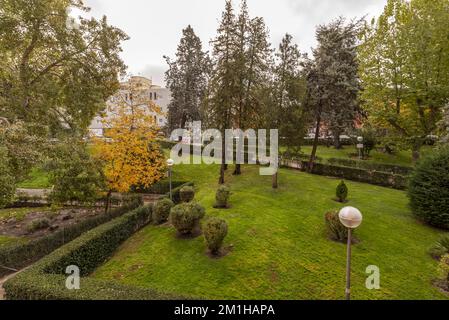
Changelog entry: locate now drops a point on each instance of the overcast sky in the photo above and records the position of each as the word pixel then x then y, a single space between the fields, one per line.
pixel 155 26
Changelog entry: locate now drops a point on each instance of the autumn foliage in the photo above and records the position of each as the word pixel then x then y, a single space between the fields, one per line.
pixel 131 155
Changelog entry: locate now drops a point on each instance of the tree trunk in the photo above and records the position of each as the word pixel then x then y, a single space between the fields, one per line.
pixel 108 201
pixel 337 141
pixel 238 170
pixel 315 143
pixel 275 180
pixel 416 153
pixel 223 166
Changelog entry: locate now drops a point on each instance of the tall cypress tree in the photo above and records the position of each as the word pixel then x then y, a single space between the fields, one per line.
pixel 224 81
pixel 187 79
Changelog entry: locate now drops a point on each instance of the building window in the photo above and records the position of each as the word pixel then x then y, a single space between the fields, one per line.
pixel 151 95
pixel 155 96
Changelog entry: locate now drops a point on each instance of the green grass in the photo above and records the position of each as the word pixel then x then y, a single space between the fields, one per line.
pixel 280 250
pixel 17 213
pixel 403 157
pixel 6 240
pixel 38 180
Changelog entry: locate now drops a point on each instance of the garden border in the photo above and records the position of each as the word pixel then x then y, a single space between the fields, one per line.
pixel 45 280
pixel 20 255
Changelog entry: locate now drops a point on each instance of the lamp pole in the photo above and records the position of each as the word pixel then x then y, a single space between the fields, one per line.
pixel 360 146
pixel 170 163
pixel 351 218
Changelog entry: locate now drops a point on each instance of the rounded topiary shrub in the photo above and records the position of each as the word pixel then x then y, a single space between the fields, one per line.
pixel 185 217
pixel 215 230
pixel 222 197
pixel 335 230
pixel 429 189
pixel 162 210
pixel 187 194
pixel 342 192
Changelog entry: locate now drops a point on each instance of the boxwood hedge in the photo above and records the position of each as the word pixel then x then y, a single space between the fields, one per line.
pixel 22 254
pixel 379 178
pixel 45 280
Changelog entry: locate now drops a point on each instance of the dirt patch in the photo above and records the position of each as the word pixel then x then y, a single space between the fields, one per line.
pixel 195 234
pixel 223 252
pixel 56 220
pixel 442 285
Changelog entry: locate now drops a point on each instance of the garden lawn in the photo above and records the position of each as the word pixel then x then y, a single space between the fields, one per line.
pixel 279 246
pixel 401 158
pixel 38 180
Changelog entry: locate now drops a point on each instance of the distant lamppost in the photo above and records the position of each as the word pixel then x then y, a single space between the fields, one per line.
pixel 170 164
pixel 351 218
pixel 360 146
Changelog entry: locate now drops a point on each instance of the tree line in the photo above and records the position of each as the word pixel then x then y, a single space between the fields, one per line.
pixel 389 76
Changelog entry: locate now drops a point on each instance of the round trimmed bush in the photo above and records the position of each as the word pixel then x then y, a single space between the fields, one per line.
pixel 215 230
pixel 429 189
pixel 185 217
pixel 187 194
pixel 198 211
pixel 222 197
pixel 342 192
pixel 162 210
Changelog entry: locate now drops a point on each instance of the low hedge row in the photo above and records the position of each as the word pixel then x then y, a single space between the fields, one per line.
pixel 45 280
pixel 160 187
pixel 360 164
pixel 20 255
pixel 384 179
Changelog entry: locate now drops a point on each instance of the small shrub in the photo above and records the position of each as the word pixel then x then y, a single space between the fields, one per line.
pixel 440 248
pixel 162 210
pixel 38 224
pixel 342 192
pixel 428 189
pixel 215 230
pixel 335 230
pixel 222 197
pixel 183 218
pixel 187 194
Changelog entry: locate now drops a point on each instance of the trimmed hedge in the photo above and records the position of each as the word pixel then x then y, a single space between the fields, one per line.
pixel 23 254
pixel 360 164
pixel 383 179
pixel 45 280
pixel 160 187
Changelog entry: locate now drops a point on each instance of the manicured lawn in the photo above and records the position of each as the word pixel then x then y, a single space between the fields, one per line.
pixel 280 250
pixel 38 180
pixel 403 158
pixel 4 240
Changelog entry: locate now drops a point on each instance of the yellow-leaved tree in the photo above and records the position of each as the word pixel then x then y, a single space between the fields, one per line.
pixel 130 153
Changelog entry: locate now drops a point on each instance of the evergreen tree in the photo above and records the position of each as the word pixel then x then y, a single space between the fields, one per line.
pixel 187 79
pixel 333 84
pixel 224 80
pixel 288 95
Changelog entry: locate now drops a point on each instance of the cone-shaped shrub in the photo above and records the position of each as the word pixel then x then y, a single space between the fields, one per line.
pixel 222 197
pixel 162 210
pixel 215 230
pixel 187 194
pixel 335 230
pixel 429 189
pixel 342 192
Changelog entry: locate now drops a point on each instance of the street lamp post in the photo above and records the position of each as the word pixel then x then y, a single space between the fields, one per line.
pixel 351 218
pixel 360 146
pixel 170 164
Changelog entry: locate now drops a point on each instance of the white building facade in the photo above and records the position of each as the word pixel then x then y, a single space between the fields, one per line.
pixel 158 95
